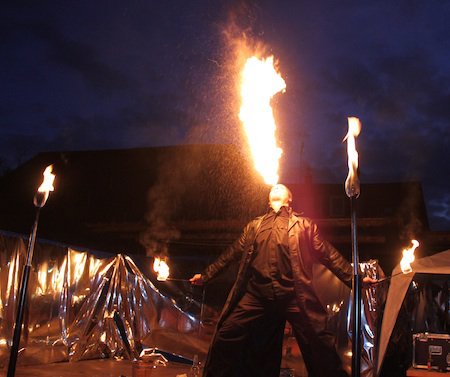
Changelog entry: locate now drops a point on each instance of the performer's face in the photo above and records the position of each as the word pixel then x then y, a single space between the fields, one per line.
pixel 280 193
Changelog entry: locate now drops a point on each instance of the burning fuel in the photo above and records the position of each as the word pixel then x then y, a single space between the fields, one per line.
pixel 49 178
pixel 352 182
pixel 161 267
pixel 44 189
pixel 408 257
pixel 260 82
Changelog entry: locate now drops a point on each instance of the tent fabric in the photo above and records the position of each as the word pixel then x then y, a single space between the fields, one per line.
pixel 436 264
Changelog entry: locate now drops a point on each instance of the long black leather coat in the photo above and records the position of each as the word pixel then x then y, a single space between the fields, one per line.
pixel 306 248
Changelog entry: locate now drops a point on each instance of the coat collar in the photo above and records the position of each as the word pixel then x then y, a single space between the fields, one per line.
pixel 293 218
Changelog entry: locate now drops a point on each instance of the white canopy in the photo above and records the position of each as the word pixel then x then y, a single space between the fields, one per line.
pixel 435 264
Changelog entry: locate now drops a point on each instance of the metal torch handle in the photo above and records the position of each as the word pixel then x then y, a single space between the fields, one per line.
pixel 356 330
pixel 22 300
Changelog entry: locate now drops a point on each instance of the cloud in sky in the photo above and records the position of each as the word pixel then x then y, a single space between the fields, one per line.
pixel 81 59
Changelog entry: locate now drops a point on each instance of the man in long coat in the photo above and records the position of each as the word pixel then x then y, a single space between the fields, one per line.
pixel 276 253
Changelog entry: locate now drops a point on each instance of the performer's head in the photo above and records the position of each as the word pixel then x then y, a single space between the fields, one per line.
pixel 279 196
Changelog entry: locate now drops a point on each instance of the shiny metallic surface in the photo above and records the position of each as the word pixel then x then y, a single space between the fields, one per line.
pixel 81 306
pixel 371 306
pixel 337 299
pixel 86 305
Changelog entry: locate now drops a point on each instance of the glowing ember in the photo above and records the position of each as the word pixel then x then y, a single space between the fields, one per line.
pixel 352 182
pixel 408 257
pixel 260 82
pixel 161 267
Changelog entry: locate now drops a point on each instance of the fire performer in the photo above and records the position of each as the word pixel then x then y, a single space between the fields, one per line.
pixel 276 253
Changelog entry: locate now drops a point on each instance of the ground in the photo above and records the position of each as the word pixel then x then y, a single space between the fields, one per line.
pixel 98 368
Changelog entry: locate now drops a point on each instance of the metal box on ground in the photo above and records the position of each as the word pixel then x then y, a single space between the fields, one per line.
pixel 431 351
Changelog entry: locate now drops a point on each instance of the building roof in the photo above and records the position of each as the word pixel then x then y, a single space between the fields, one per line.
pixel 134 188
pixel 193 200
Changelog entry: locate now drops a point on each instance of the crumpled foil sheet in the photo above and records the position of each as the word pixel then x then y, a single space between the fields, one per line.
pixel 337 299
pixel 81 306
pixel 84 304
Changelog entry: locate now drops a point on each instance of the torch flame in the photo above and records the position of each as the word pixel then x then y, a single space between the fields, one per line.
pixel 49 178
pixel 41 196
pixel 408 257
pixel 352 182
pixel 260 82
pixel 161 267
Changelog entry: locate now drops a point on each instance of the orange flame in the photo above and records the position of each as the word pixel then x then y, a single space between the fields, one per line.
pixel 408 257
pixel 41 196
pixel 49 178
pixel 352 181
pixel 260 82
pixel 161 267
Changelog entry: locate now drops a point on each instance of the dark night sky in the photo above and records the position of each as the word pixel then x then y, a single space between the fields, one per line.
pixel 112 74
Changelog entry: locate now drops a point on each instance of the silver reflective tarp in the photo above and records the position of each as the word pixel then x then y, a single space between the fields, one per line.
pixel 85 305
pixel 81 306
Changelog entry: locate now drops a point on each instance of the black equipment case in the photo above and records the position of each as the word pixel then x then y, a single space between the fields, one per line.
pixel 431 351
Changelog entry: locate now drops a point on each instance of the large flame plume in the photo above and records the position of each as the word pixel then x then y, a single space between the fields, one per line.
pixel 352 182
pixel 260 82
pixel 408 257
pixel 161 267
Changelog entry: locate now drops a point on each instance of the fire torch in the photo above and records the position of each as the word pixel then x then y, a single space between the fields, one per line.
pixel 352 190
pixel 39 201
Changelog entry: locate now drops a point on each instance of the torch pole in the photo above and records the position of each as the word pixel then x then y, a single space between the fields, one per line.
pixel 352 189
pixel 22 299
pixel 356 329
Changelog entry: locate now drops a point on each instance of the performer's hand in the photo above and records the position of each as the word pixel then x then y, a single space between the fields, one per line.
pixel 369 281
pixel 197 279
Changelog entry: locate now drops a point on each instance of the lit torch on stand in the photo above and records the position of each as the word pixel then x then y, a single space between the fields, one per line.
pixel 405 263
pixel 162 269
pixel 352 190
pixel 40 198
